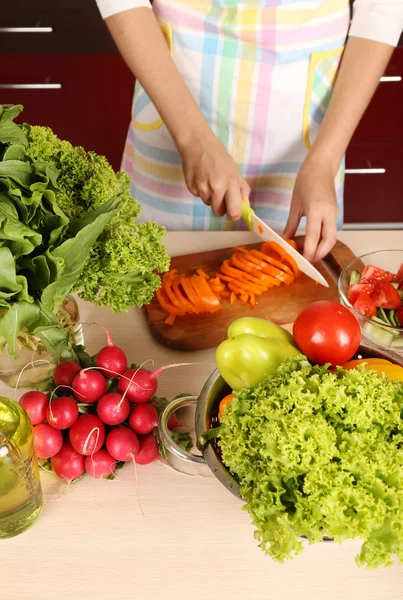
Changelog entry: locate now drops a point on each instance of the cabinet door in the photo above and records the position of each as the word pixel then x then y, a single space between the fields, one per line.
pixel 85 99
pixel 374 193
pixel 383 120
pixel 53 27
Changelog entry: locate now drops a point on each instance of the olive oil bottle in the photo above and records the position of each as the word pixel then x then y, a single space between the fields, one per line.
pixel 20 489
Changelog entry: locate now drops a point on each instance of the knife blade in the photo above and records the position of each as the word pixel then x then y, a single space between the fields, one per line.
pixel 267 234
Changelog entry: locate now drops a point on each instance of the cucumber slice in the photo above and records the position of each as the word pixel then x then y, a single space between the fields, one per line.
pixel 378 320
pixel 397 343
pixel 395 284
pixel 355 277
pixel 381 314
pixel 391 313
pixel 378 334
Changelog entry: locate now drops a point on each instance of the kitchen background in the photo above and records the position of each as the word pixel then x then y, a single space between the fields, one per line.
pixel 58 60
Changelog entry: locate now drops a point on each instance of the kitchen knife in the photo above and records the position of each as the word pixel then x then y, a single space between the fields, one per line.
pixel 268 235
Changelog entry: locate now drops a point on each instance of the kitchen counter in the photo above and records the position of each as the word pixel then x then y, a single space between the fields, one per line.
pixel 163 534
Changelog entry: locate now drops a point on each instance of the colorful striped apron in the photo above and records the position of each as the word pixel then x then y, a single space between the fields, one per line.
pixel 262 74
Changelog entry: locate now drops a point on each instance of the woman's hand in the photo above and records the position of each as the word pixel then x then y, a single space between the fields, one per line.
pixel 212 174
pixel 314 197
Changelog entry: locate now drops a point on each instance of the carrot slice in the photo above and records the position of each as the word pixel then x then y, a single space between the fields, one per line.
pixel 272 247
pixel 167 305
pixel 292 244
pixel 191 294
pixel 170 320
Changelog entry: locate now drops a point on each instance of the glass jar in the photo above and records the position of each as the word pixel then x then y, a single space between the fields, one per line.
pixel 27 371
pixel 20 488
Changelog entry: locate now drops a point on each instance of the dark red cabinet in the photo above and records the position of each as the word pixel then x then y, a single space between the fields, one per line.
pixel 371 197
pixel 92 107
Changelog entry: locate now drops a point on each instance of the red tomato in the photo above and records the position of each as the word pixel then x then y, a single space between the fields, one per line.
pixel 398 278
pixel 386 296
pixel 372 274
pixel 356 288
pixel 399 316
pixel 326 332
pixel 365 305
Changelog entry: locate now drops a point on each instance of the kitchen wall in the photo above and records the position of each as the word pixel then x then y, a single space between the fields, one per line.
pixel 58 60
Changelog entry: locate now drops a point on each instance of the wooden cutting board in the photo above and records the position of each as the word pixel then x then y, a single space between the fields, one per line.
pixel 281 305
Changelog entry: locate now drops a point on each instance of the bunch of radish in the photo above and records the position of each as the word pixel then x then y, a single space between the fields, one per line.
pixel 119 420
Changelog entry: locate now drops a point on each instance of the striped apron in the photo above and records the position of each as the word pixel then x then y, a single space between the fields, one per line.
pixel 262 72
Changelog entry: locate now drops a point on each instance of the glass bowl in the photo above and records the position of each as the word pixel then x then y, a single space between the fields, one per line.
pixel 375 331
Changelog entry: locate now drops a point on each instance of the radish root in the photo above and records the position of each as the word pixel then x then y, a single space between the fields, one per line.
pixel 137 484
pixel 32 363
pixel 87 440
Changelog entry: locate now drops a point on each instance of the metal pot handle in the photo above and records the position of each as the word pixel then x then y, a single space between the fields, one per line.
pixel 164 431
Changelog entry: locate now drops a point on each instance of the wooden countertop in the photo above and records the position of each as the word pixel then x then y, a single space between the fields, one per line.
pixel 193 541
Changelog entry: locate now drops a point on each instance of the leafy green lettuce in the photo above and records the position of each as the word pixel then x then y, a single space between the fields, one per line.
pixel 66 224
pixel 320 453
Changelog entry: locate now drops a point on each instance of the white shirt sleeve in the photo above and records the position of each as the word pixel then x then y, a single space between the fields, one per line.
pixel 378 20
pixel 111 7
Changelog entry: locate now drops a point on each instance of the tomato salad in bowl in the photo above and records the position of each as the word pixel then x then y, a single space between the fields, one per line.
pixel 371 287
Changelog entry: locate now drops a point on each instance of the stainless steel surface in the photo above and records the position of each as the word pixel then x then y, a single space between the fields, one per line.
pixel 164 431
pixel 213 391
pixel 30 86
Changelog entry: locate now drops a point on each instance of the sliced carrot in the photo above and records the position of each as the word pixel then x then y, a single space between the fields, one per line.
pixel 210 301
pixel 170 320
pixel 167 305
pixel 191 294
pixel 292 244
pixel 232 298
pixel 270 247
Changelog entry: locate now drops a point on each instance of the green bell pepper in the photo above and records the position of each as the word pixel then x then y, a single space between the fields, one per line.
pixel 254 349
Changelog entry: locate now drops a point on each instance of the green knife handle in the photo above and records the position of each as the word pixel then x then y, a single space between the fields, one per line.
pixel 246 214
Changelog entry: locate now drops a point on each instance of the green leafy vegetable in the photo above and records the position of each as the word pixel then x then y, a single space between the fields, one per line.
pixel 67 223
pixel 320 453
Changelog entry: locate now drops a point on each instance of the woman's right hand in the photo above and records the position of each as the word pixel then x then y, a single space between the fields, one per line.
pixel 211 174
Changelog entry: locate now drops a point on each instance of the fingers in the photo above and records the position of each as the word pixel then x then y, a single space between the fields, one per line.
pixel 292 224
pixel 328 237
pixel 224 197
pixel 233 202
pixel 245 190
pixel 313 234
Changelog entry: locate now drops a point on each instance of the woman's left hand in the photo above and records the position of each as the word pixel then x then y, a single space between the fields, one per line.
pixel 314 197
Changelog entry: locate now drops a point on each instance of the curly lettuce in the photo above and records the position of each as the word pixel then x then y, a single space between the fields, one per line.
pixel 320 453
pixel 67 223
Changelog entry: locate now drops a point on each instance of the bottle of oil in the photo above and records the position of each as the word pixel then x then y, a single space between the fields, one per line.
pixel 20 489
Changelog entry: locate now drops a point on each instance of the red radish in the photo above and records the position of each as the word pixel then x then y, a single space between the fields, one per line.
pixel 143 418
pixel 62 412
pixel 35 405
pixel 113 409
pixel 47 440
pixel 148 450
pixel 89 385
pixel 87 434
pixel 68 463
pixel 100 465
pixel 122 444
pixel 65 373
pixel 111 359
pixel 142 386
pixel 174 422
